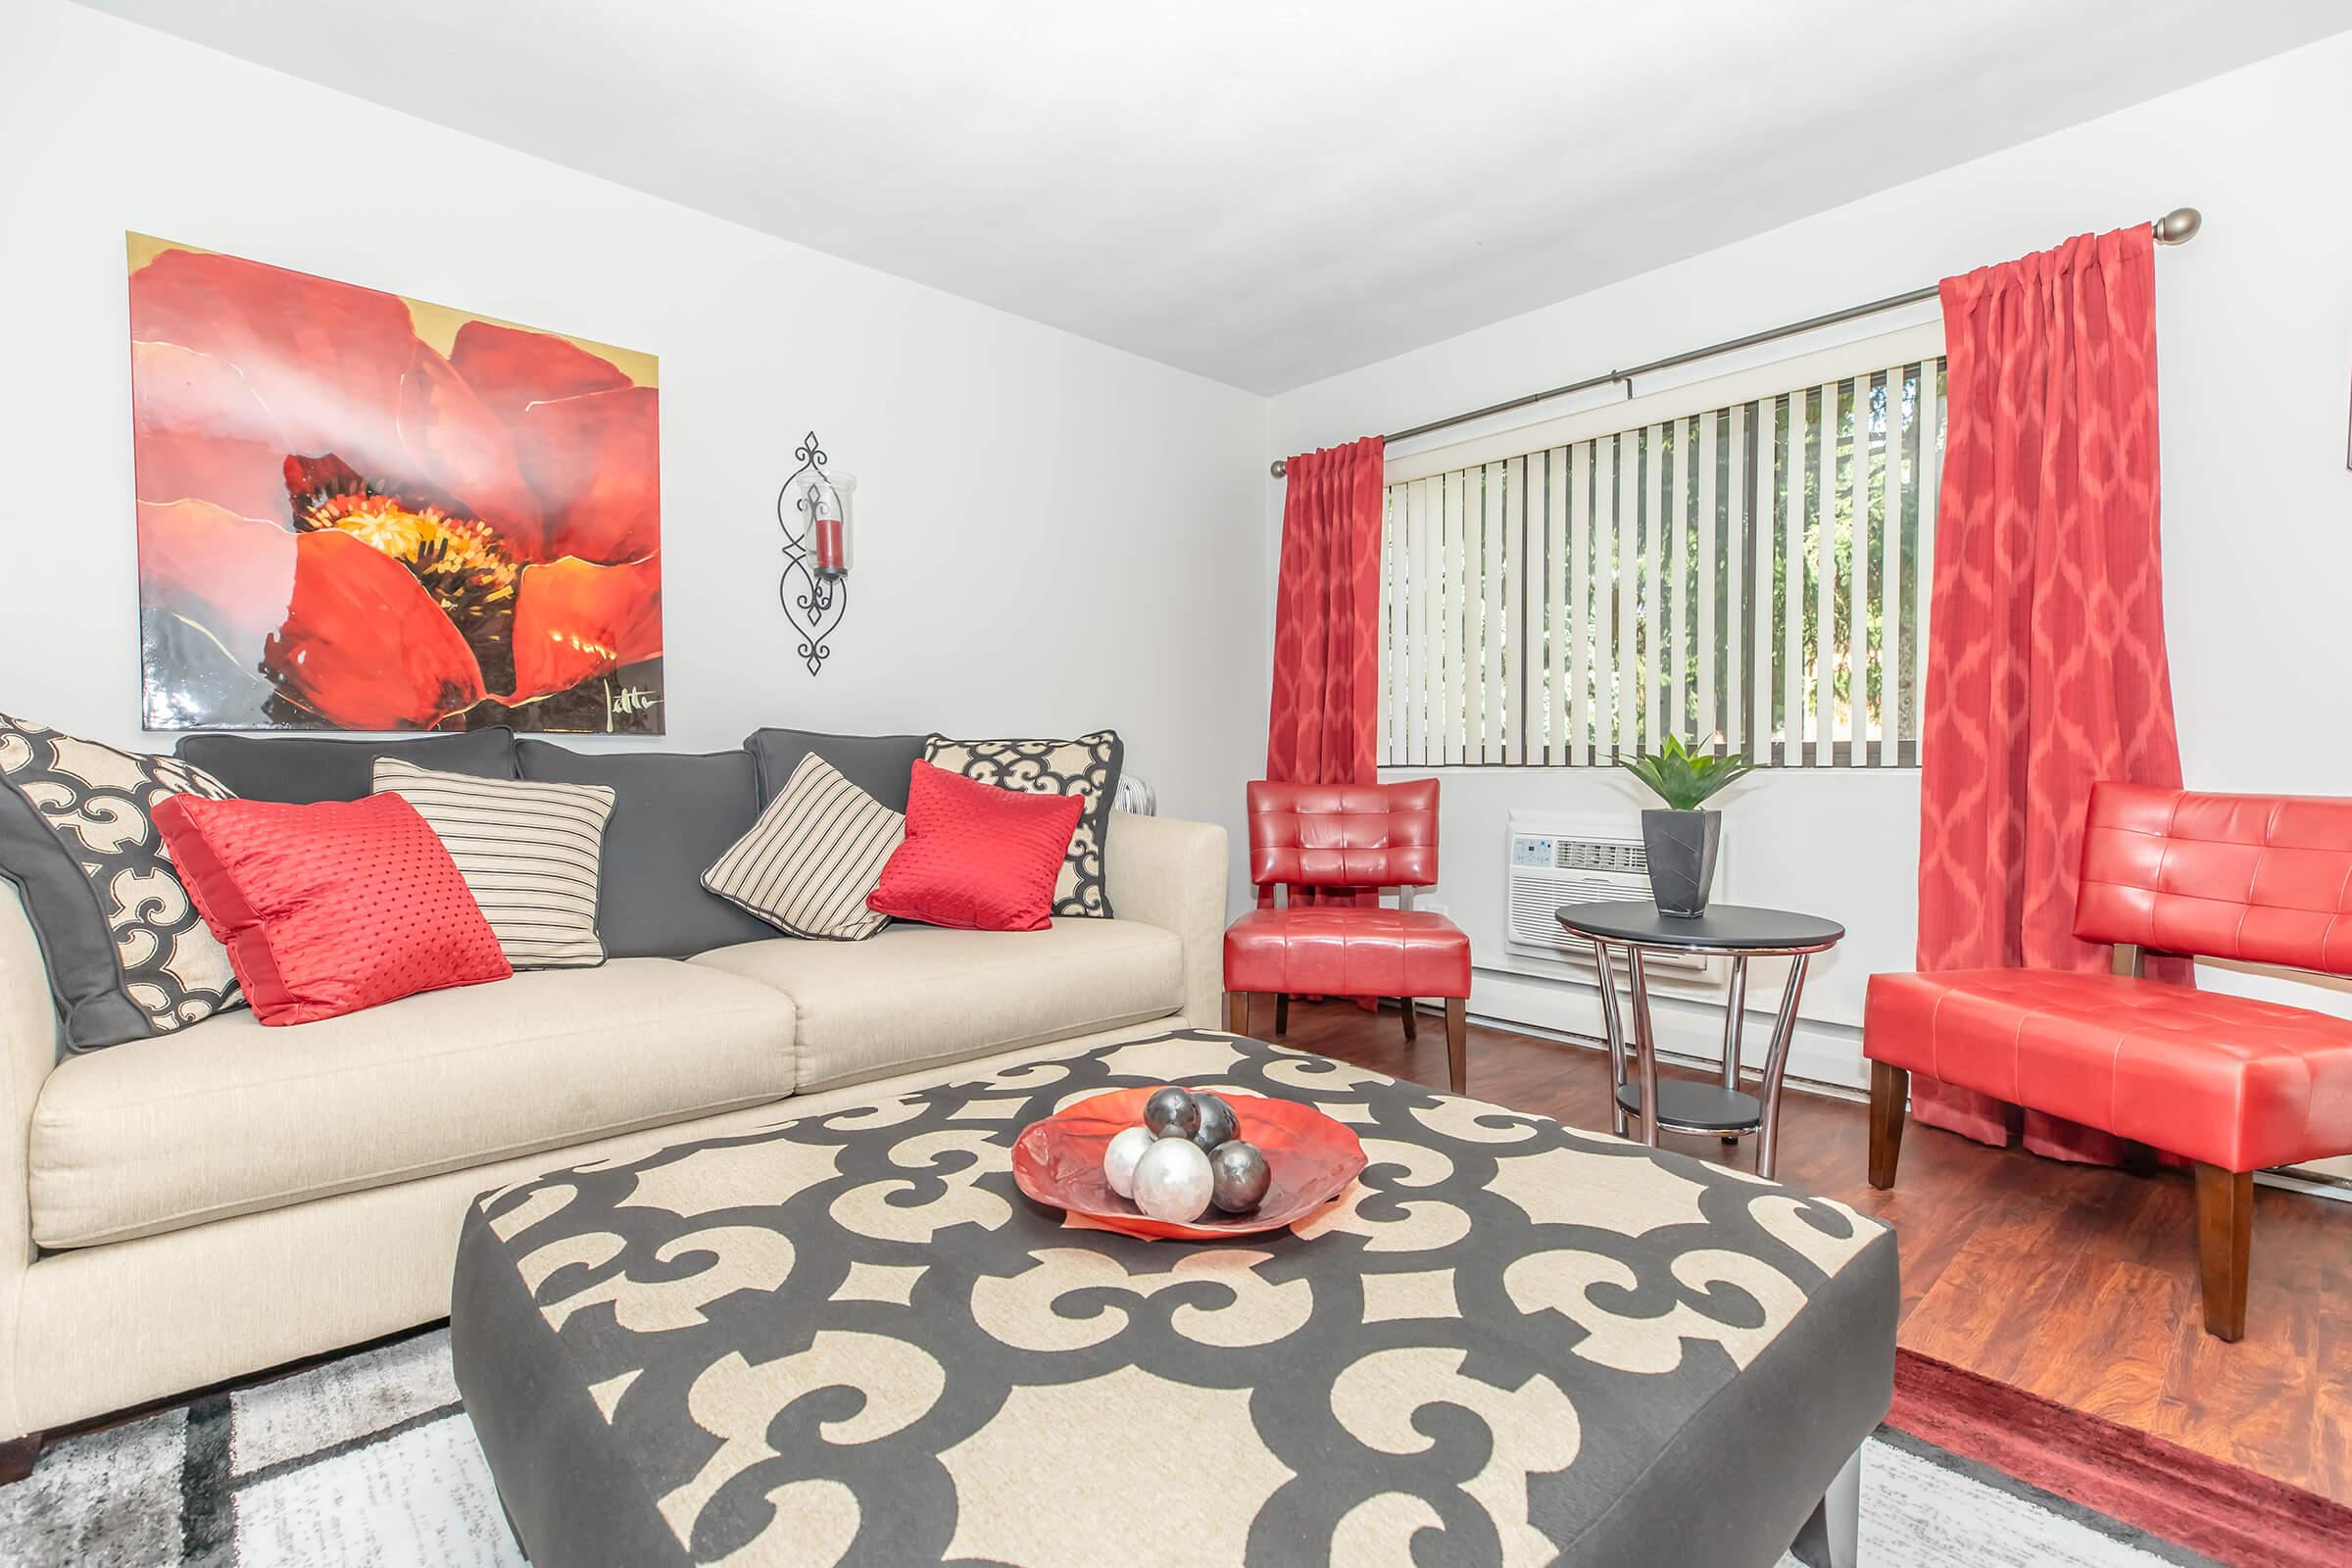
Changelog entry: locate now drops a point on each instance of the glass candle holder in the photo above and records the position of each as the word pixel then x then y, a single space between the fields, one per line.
pixel 828 505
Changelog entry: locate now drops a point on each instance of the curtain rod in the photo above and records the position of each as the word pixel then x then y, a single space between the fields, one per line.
pixel 2175 227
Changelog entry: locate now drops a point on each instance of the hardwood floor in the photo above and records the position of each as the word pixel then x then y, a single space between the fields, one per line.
pixel 2076 1283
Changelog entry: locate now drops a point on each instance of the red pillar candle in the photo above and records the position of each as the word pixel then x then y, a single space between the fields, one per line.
pixel 829 521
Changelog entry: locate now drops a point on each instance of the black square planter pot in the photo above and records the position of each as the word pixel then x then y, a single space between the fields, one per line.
pixel 1681 848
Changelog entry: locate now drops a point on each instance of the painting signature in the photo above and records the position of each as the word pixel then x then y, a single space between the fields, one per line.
pixel 627 701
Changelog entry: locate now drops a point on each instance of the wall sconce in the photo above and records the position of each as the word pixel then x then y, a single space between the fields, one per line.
pixel 816 587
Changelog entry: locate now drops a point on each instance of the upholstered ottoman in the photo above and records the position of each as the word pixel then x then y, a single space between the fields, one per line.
pixel 850 1339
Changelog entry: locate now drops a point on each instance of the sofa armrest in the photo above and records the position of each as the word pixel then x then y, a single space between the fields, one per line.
pixel 27 1051
pixel 1172 873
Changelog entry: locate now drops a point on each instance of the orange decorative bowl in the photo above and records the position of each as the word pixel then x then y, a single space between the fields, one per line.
pixel 1309 1159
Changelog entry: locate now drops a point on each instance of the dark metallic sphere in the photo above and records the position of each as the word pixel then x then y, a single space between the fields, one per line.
pixel 1240 1176
pixel 1219 1124
pixel 1172 1113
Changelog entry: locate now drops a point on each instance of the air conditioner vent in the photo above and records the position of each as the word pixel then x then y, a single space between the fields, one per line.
pixel 1622 857
pixel 1549 869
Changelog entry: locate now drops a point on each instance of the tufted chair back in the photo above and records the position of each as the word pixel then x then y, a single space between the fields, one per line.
pixel 2257 878
pixel 1343 836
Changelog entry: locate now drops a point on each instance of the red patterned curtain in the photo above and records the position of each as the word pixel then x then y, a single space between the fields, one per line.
pixel 2047 671
pixel 1326 709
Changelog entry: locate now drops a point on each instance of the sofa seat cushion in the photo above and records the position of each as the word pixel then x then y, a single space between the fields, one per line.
pixel 2227 1080
pixel 227 1118
pixel 917 995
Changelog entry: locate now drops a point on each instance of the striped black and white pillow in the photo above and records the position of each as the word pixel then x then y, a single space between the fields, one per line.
pixel 530 852
pixel 815 852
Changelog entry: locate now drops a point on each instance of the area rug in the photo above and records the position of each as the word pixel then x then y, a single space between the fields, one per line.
pixel 2233 1515
pixel 369 1459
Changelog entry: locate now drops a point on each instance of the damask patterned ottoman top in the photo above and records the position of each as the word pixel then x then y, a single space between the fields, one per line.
pixel 850 1339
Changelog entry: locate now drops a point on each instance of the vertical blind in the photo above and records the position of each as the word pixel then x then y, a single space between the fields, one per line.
pixel 1749 577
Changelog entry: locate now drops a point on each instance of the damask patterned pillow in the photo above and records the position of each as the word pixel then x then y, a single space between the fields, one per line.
pixel 1086 767
pixel 128 953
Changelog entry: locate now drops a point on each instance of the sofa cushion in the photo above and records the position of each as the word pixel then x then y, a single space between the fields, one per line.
pixel 808 864
pixel 225 1117
pixel 920 995
pixel 127 952
pixel 876 763
pixel 1086 769
pixel 531 852
pixel 300 769
pixel 976 856
pixel 2232 1081
pixel 674 814
pixel 332 908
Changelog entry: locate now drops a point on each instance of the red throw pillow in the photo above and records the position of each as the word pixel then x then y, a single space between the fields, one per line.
pixel 332 907
pixel 976 857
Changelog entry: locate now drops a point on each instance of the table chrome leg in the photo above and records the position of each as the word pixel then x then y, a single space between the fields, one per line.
pixel 1613 1024
pixel 1734 1008
pixel 1735 1012
pixel 1645 1048
pixel 1775 1065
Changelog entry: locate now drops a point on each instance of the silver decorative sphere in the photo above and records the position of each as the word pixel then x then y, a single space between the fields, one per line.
pixel 1218 1123
pixel 1172 1181
pixel 1239 1177
pixel 1119 1159
pixel 1172 1113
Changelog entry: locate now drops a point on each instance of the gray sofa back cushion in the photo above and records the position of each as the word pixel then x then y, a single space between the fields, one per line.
pixel 882 766
pixel 674 814
pixel 303 769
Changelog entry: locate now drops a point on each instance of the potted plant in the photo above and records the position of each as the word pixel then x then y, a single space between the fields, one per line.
pixel 1680 841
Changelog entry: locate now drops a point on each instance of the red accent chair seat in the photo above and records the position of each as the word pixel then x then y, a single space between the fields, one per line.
pixel 1346 840
pixel 2228 1083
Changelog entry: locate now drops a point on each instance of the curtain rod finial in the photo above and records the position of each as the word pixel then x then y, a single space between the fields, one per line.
pixel 2179 227
pixel 1277 467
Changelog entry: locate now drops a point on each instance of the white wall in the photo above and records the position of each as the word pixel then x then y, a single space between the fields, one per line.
pixel 2254 332
pixel 1053 536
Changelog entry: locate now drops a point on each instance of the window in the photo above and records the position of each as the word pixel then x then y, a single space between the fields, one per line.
pixel 1737 566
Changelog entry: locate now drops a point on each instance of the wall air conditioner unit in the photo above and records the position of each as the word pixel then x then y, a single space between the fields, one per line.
pixel 1553 862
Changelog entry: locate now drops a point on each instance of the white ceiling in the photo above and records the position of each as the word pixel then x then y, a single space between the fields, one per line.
pixel 1265 194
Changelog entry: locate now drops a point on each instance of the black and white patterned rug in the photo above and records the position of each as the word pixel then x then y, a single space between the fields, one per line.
pixel 369 1459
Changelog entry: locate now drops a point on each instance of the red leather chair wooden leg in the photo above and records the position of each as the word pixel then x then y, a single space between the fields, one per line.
pixel 1282 1013
pixel 2224 1247
pixel 1236 1012
pixel 1413 1019
pixel 1458 1043
pixel 1889 1097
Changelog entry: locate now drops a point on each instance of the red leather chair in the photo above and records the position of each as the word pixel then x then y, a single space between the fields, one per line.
pixel 2232 1083
pixel 1346 839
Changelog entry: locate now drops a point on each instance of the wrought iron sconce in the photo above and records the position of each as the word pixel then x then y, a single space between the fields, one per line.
pixel 816 587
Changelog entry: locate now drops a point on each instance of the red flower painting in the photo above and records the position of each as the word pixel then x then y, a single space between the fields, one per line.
pixel 362 512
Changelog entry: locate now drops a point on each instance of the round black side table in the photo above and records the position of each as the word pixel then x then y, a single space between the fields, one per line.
pixel 1727 930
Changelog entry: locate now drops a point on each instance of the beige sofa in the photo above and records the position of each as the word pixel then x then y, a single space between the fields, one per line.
pixel 205 1204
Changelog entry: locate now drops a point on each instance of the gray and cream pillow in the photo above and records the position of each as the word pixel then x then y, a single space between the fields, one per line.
pixel 126 952
pixel 1086 767
pixel 531 853
pixel 813 856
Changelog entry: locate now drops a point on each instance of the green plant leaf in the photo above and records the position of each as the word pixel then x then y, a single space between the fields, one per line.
pixel 1682 779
